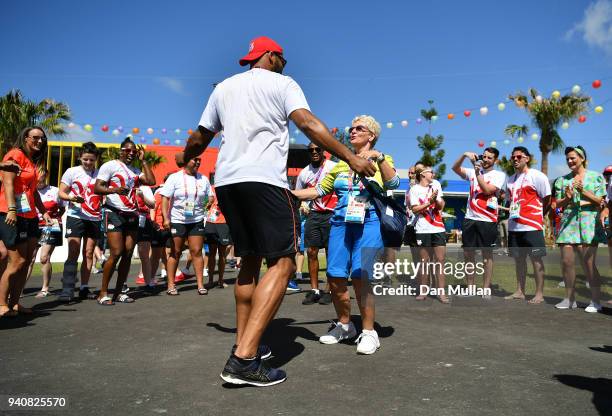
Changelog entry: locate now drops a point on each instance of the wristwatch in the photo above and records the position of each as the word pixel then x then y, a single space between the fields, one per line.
pixel 380 158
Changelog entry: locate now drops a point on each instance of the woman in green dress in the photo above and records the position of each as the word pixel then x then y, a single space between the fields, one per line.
pixel 579 194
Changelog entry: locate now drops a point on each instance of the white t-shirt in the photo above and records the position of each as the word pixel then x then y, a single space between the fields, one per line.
pixel 528 189
pixel 309 177
pixel 428 221
pixel 252 108
pixel 82 184
pixel 479 204
pixel 116 174
pixel 49 195
pixel 182 188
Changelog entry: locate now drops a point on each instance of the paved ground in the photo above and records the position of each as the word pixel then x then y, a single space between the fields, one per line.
pixel 163 355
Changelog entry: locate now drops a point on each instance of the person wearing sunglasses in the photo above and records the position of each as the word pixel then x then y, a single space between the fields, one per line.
pixel 186 195
pixel 82 221
pixel 479 231
pixel 528 191
pixel 317 225
pixel 118 180
pixel 19 203
pixel 253 109
pixel 580 194
pixel 355 234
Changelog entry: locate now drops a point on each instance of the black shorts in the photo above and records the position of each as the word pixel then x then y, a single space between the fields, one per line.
pixel 117 222
pixel 479 234
pixel 146 233
pixel 52 238
pixel 22 231
pixel 410 236
pixel 263 219
pixel 187 230
pixel 217 234
pixel 526 243
pixel 430 239
pixel 316 229
pixel 78 227
pixel 160 237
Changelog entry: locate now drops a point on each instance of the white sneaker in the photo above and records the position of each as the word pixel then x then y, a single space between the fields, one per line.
pixel 593 307
pixel 163 274
pixel 205 272
pixel 337 334
pixel 565 304
pixel 368 342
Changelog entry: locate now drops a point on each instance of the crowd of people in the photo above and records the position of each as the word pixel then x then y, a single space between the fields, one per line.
pixel 251 209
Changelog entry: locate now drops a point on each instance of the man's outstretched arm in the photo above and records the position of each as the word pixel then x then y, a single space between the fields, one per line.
pixel 196 144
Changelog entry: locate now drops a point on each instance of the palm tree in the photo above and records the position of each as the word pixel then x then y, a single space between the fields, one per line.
pixel 547 114
pixel 516 131
pixel 17 113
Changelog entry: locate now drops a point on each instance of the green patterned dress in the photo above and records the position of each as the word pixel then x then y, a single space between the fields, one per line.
pixel 580 224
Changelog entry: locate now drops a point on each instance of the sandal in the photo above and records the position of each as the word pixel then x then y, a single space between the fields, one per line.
pixel 444 299
pixel 22 310
pixel 221 285
pixel 105 301
pixel 42 294
pixel 123 298
pixel 202 291
pixel 8 313
pixel 172 292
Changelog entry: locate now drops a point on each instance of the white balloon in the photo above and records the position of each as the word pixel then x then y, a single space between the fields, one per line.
pixel 404 123
pixel 115 132
pixel 484 111
pixel 576 89
pixel 539 98
pixel 565 125
pixel 506 141
pixel 71 125
pixel 493 143
pixel 434 118
pixel 534 136
pixel 389 125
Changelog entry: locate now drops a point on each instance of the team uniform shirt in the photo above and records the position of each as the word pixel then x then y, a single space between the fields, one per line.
pixel 116 174
pixel 481 206
pixel 24 185
pixel 186 191
pixel 82 184
pixel 528 190
pixel 215 216
pixel 428 221
pixel 252 109
pixel 49 196
pixel 143 209
pixel 309 177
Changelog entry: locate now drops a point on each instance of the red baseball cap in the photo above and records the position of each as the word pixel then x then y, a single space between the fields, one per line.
pixel 258 47
pixel 608 169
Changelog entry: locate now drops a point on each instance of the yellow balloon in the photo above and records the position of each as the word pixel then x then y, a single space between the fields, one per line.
pixel 501 106
pixel 599 109
pixel 556 94
pixel 88 127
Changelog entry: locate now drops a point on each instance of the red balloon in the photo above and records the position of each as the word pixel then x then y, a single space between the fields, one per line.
pixel 581 119
pixel 105 128
pixel 481 144
pixel 334 130
pixel 596 83
pixel 467 113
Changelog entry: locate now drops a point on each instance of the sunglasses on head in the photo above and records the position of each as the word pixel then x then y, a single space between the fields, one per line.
pixel 314 149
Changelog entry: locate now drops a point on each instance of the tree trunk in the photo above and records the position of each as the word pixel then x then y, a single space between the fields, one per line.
pixel 545 162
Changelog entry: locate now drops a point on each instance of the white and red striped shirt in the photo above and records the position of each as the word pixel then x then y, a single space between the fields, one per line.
pixel 528 189
pixel 428 221
pixel 477 208
pixel 116 174
pixel 52 202
pixel 310 177
pixel 81 184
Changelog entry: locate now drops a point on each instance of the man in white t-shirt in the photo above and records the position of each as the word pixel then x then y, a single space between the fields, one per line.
pixel 479 231
pixel 528 191
pixel 253 109
pixel 317 226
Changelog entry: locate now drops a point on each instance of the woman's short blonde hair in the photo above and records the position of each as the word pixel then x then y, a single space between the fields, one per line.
pixel 371 123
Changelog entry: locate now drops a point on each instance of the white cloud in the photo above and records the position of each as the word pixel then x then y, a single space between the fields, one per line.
pixel 173 84
pixel 74 134
pixel 596 26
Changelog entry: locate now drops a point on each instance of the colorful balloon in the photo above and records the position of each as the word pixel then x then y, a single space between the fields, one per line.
pixel 389 125
pixel 88 127
pixel 556 94
pixel 596 83
pixel 149 130
pixel 155 140
pixel 115 132
pixel 104 128
pixel 535 136
pixel 450 116
pixel 404 123
pixel 177 131
pixel 164 131
pixel 120 128
pixel 71 125
pixel 135 130
pixel 292 140
pixel 190 132
pixel 434 118
pixel 493 143
pixel 484 111
pixel 177 142
pixel 506 141
pixel 582 119
pixel 539 99
pixel 166 142
pixel 599 109
pixel 576 89
pixel 501 106
pixel 334 130
pixel 467 113
pixel 419 120
pixel 520 139
pixel 143 139
pixel 481 143
pixel 565 125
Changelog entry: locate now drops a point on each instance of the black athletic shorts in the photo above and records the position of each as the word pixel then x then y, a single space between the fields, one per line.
pixel 51 238
pixel 78 227
pixel 430 239
pixel 160 237
pixel 410 235
pixel 187 230
pixel 117 221
pixel 263 219
pixel 146 233
pixel 479 234
pixel 316 229
pixel 24 229
pixel 526 243
pixel 217 234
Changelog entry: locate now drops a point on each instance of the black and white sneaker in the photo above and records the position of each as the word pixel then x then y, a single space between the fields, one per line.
pixel 125 289
pixel 311 298
pixel 325 299
pixel 252 372
pixel 263 351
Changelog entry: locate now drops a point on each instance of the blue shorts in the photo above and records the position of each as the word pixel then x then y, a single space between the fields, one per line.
pixel 353 248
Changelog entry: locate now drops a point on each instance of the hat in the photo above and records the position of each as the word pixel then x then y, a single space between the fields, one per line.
pixel 258 47
pixel 608 169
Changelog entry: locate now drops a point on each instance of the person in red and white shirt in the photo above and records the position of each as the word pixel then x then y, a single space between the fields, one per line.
pixel 529 196
pixel 480 224
pixel 427 204
pixel 82 221
pixel 118 180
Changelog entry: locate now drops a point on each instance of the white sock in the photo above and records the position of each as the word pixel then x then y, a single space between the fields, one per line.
pixel 344 326
pixel 317 291
pixel 298 275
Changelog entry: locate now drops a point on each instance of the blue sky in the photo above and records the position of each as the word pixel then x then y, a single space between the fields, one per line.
pixel 151 64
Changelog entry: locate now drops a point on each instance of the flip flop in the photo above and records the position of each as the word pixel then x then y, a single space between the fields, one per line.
pixel 172 292
pixel 9 313
pixel 105 301
pixel 202 291
pixel 535 302
pixel 123 298
pixel 514 297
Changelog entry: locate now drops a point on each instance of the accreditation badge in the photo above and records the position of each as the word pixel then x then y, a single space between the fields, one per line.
pixel 55 226
pixel 142 221
pixel 189 208
pixel 22 205
pixel 355 210
pixel 492 203
pixel 515 210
